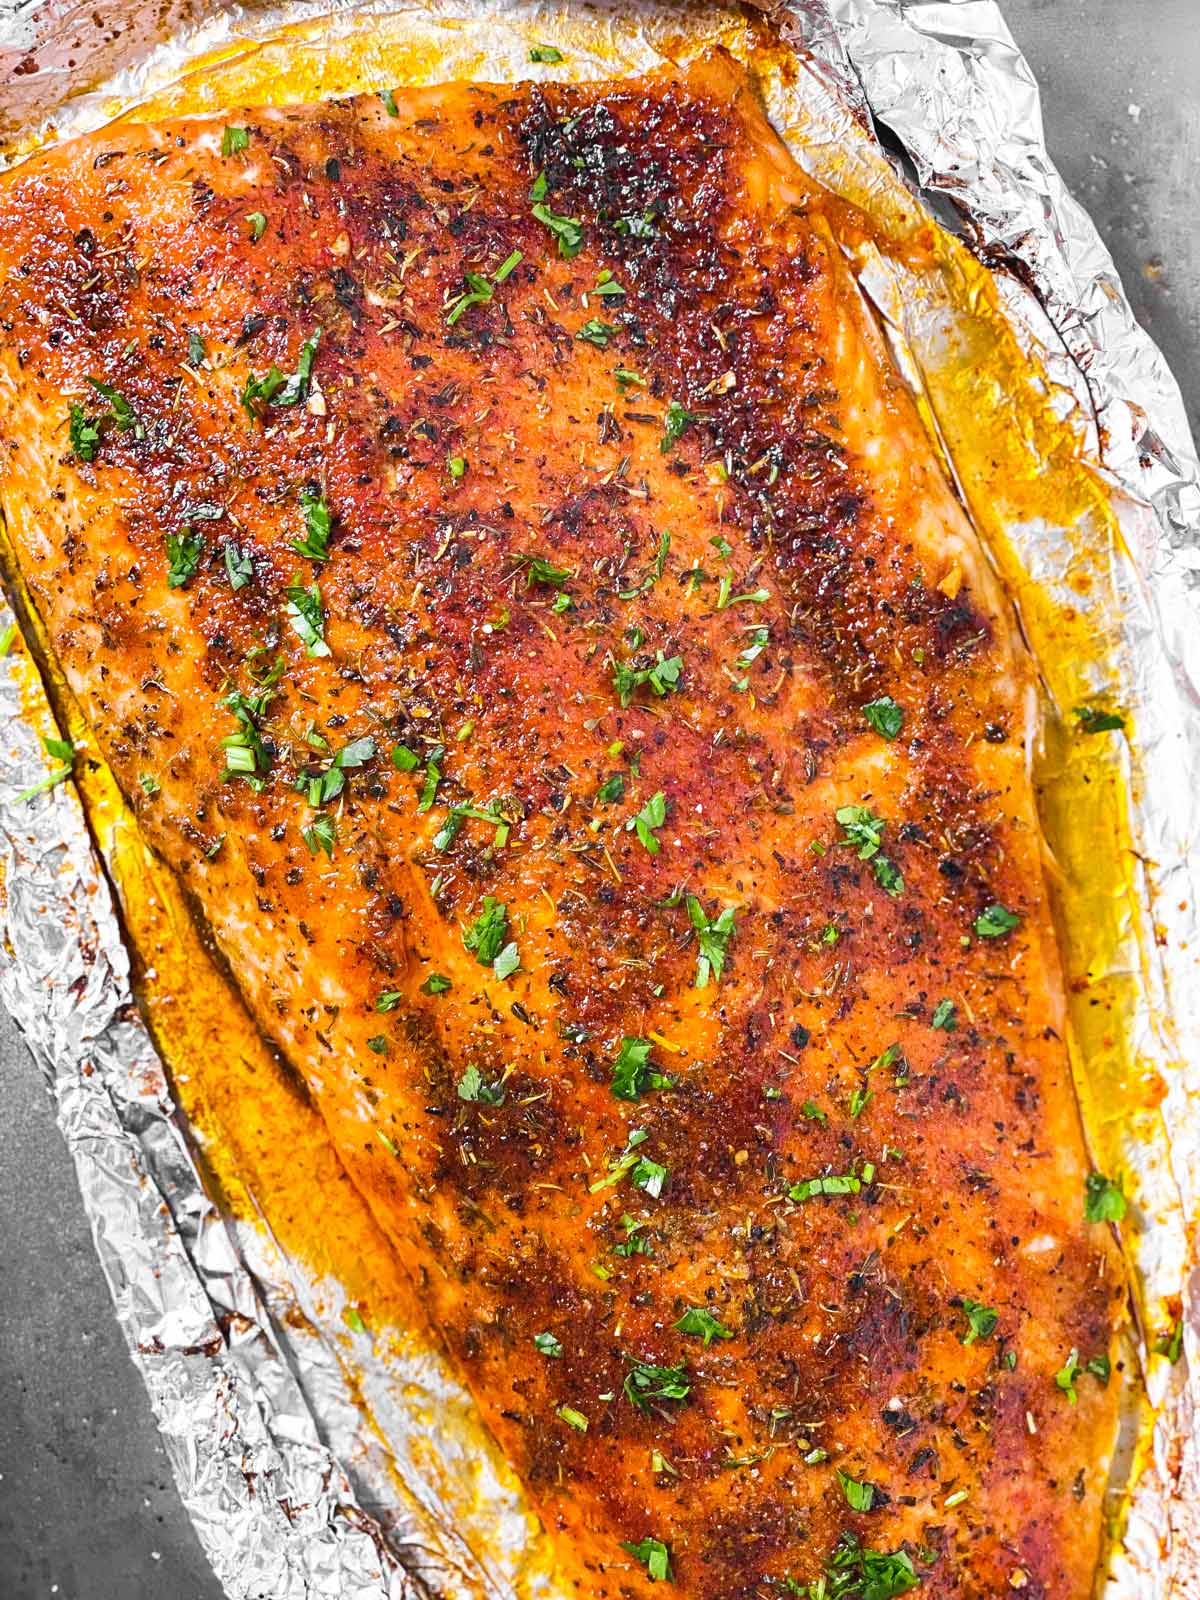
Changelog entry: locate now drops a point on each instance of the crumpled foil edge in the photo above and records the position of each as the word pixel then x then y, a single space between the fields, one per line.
pixel 261 1469
pixel 239 1434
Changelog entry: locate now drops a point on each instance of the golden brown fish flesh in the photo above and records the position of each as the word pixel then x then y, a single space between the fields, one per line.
pixel 493 552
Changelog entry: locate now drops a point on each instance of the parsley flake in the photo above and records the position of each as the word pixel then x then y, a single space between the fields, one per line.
pixel 63 751
pixel 652 815
pixel 653 1555
pixel 632 1073
pixel 885 716
pixel 995 921
pixel 1091 719
pixel 859 1496
pixel 183 557
pixel 306 615
pixel 981 1320
pixel 596 332
pixel 474 1086
pixel 568 231
pixel 317 524
pixel 645 1382
pixel 660 678
pixel 714 935
pixel 945 1016
pixel 700 1321
pixel 1103 1200
pixel 675 424
pixel 488 934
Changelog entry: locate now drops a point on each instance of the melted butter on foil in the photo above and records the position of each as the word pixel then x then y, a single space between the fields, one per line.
pixel 1097 563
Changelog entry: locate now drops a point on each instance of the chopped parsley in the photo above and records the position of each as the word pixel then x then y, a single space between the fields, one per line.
pixel 239 567
pixel 276 388
pixel 327 785
pixel 885 716
pixel 480 290
pixel 456 466
pixel 507 962
pixel 246 754
pixel 853 1573
pixel 635 1242
pixel 63 751
pixel 433 777
pixel 258 225
pixel 1091 719
pixel 995 921
pixel 487 935
pixel 183 557
pixel 320 834
pixel 675 424
pixel 596 332
pixel 859 1100
pixel 655 573
pixel 84 431
pixel 317 524
pixel 388 1000
pixel 196 349
pixel 234 141
pixel 714 935
pixel 474 1086
pixel 833 1183
pixel 863 830
pixel 981 1320
pixel 539 570
pixel 307 617
pixel 632 1073
pixel 653 1555
pixel 644 1382
pixel 606 285
pixel 660 678
pixel 945 1016
pixel 611 790
pixel 649 1176
pixel 547 1345
pixel 1103 1200
pixel 859 1496
pixel 700 1321
pixel 546 54
pixel 1170 1344
pixel 388 101
pixel 573 1418
pixel 568 231
pixel 1100 1368
pixel 84 434
pixel 726 597
pixel 435 983
pixel 652 815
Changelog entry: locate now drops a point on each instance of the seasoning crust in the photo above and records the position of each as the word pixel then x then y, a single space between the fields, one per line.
pixel 499 563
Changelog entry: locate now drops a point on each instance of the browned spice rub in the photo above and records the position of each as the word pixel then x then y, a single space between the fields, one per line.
pixel 495 557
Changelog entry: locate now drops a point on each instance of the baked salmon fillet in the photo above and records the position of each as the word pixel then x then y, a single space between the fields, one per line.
pixel 490 546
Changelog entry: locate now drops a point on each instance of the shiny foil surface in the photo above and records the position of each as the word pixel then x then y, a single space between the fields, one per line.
pixel 320 1462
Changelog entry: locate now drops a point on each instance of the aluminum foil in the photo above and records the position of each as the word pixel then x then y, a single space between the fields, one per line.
pixel 293 1491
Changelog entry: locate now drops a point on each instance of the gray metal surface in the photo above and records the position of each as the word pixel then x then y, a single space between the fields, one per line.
pixel 87 1509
